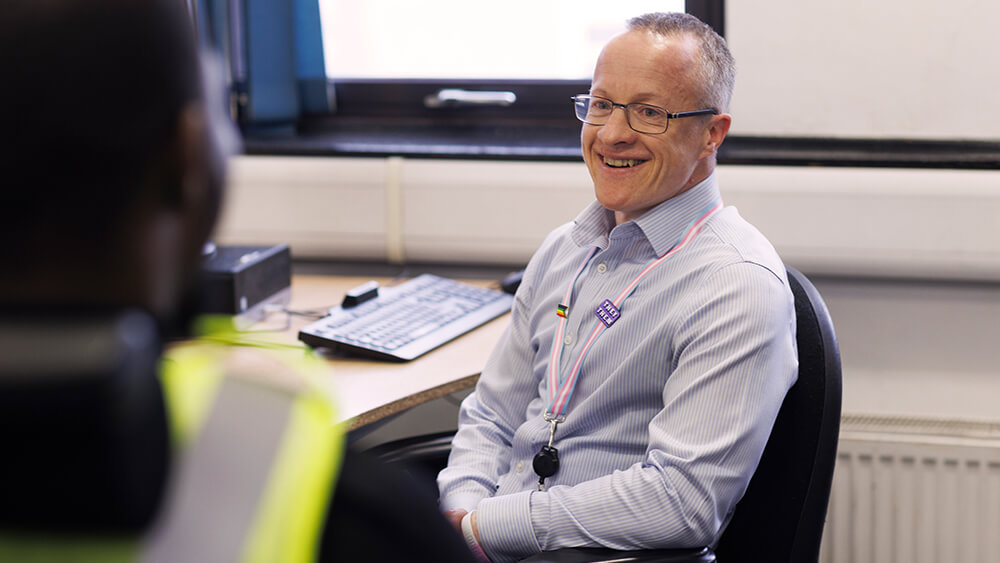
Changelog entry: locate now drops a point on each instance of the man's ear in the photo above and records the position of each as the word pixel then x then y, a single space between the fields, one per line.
pixel 174 174
pixel 191 157
pixel 193 173
pixel 203 168
pixel 190 180
pixel 715 132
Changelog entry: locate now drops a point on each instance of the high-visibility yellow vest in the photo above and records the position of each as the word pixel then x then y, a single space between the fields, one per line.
pixel 257 448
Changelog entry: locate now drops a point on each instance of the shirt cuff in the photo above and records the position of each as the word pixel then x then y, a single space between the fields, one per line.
pixel 505 529
pixel 465 501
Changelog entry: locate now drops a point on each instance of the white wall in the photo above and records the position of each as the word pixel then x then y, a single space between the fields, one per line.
pixel 866 68
pixel 939 224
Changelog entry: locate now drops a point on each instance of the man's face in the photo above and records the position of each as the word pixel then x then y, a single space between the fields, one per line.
pixel 638 66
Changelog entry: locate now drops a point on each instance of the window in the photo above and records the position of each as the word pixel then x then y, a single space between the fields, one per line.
pixel 457 39
pixel 388 63
pixel 385 60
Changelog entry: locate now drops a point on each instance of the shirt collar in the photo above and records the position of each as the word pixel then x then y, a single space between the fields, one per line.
pixel 662 225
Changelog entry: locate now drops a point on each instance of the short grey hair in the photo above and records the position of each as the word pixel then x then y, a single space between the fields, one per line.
pixel 716 71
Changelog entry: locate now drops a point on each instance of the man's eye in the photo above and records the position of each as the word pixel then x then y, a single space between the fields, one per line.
pixel 600 105
pixel 648 112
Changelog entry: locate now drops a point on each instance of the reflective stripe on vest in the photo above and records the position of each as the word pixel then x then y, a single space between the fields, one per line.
pixel 255 483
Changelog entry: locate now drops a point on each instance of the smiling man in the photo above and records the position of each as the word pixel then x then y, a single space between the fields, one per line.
pixel 652 339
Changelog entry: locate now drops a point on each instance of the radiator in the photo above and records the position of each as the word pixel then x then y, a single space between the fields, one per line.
pixel 914 490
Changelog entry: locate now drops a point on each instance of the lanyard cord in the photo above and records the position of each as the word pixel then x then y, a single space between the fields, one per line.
pixel 557 342
pixel 561 389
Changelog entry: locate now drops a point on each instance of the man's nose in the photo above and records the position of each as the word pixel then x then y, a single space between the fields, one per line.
pixel 617 129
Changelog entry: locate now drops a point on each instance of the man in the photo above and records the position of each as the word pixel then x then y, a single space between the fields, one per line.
pixel 652 340
pixel 113 169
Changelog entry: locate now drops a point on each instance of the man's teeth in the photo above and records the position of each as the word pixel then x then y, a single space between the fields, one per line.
pixel 621 163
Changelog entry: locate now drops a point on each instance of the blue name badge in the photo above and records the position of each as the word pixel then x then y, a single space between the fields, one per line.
pixel 608 313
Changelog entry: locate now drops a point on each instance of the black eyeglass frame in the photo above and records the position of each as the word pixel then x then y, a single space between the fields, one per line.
pixel 583 97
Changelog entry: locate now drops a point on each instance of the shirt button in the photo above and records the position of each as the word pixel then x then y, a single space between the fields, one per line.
pixel 519 467
pixel 568 340
pixel 602 267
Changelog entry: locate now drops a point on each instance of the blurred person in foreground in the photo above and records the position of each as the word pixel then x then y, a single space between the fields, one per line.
pixel 113 170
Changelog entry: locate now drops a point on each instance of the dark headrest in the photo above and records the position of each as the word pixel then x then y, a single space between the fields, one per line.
pixel 82 422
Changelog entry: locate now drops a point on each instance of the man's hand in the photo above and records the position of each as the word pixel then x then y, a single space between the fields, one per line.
pixel 475 526
pixel 455 517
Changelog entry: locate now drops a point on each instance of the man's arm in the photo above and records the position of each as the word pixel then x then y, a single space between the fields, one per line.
pixel 735 359
pixel 490 416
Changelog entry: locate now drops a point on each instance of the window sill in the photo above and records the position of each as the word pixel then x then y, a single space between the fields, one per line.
pixel 558 142
pixel 426 140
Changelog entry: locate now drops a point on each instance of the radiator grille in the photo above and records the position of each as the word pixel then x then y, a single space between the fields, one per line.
pixel 915 490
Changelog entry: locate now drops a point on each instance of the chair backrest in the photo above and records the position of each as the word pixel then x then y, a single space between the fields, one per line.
pixel 82 421
pixel 781 516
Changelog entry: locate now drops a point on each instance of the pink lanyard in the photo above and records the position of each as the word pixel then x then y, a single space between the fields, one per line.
pixel 607 313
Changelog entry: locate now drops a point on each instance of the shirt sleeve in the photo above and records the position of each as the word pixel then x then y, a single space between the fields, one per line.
pixel 490 415
pixel 734 361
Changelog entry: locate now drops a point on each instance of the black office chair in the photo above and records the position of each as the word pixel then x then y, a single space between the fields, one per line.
pixel 82 421
pixel 781 516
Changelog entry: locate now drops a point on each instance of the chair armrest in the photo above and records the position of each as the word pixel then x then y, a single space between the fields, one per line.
pixel 428 449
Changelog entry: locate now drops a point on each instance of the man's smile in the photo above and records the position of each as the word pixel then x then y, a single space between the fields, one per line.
pixel 621 162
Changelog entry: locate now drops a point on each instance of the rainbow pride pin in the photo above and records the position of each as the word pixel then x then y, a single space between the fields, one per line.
pixel 561 310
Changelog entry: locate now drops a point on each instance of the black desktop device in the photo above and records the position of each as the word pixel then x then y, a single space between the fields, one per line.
pixel 237 280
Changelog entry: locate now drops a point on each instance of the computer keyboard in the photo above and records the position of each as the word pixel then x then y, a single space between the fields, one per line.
pixel 409 319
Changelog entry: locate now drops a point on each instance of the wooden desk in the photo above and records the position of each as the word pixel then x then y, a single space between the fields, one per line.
pixel 369 390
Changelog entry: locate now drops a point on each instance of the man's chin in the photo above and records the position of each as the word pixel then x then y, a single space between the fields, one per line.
pixel 615 198
pixel 620 180
pixel 178 323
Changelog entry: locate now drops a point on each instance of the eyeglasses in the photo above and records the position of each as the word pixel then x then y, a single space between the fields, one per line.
pixel 642 118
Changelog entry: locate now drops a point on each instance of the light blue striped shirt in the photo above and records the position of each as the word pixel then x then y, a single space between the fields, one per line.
pixel 674 402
